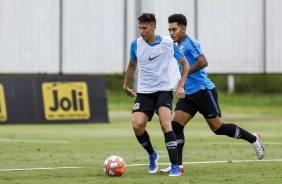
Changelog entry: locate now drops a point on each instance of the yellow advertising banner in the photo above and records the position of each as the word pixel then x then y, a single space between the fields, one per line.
pixel 65 100
pixel 3 109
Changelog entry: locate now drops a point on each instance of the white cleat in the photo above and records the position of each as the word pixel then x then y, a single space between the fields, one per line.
pixel 168 169
pixel 257 145
pixel 175 170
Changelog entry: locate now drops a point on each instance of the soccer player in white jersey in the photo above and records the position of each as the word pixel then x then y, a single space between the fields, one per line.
pixel 156 59
pixel 200 94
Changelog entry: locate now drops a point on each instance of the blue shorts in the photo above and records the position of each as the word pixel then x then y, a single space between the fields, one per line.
pixel 204 101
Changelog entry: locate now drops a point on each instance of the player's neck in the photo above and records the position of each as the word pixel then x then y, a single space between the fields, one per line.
pixel 181 39
pixel 152 39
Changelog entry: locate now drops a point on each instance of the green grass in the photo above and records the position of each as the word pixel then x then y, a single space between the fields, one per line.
pixel 86 146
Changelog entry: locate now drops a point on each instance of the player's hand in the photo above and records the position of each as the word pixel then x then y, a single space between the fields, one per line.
pixel 129 92
pixel 180 92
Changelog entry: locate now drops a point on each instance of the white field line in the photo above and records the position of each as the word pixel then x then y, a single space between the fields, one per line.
pixel 35 141
pixel 43 168
pixel 264 143
pixel 134 165
pixel 212 162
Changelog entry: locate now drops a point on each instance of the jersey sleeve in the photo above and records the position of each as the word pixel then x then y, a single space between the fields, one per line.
pixel 195 49
pixel 133 49
pixel 177 54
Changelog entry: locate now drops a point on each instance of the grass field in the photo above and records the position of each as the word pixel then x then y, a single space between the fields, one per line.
pixel 75 153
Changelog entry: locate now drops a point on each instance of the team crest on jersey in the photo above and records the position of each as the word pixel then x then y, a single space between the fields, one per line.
pixel 158 50
pixel 181 49
pixel 136 106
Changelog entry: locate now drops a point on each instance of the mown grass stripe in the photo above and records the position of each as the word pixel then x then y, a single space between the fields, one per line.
pixel 35 141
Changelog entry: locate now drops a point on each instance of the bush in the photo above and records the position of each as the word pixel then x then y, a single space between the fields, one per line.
pixel 250 83
pixel 244 83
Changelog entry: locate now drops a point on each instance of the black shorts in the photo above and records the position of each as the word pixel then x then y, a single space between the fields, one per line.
pixel 149 103
pixel 204 101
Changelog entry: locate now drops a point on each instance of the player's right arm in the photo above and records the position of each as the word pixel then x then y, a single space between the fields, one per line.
pixel 131 69
pixel 128 77
pixel 201 62
pixel 196 51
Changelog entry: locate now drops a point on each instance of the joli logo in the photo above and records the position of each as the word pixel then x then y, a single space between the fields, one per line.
pixel 65 100
pixel 75 102
pixel 3 111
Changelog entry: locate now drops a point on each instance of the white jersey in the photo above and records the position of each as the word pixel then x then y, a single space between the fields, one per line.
pixel 157 68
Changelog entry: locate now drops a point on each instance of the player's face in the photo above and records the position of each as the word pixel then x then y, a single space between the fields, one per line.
pixel 177 32
pixel 146 30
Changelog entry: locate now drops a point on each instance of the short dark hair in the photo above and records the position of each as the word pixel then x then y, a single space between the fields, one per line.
pixel 147 17
pixel 179 18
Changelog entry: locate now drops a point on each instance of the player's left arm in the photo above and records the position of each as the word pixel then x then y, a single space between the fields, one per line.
pixel 201 62
pixel 185 70
pixel 180 93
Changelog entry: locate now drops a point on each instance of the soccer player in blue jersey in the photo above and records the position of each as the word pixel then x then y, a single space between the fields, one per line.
pixel 200 94
pixel 158 76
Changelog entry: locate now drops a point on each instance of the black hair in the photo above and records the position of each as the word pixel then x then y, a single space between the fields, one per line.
pixel 179 18
pixel 147 17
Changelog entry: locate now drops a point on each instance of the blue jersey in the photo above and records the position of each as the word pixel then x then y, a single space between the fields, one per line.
pixel 198 80
pixel 133 49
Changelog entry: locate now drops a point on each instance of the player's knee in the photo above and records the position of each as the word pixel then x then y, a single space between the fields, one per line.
pixel 177 127
pixel 166 126
pixel 138 128
pixel 220 130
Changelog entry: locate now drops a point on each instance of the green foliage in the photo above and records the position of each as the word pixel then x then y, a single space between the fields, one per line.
pixel 259 84
pixel 115 82
pixel 244 83
pixel 250 83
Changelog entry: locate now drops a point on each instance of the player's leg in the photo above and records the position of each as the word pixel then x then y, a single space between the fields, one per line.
pixel 184 112
pixel 180 119
pixel 178 129
pixel 139 121
pixel 164 106
pixel 211 111
pixel 234 131
pixel 142 112
pixel 229 129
